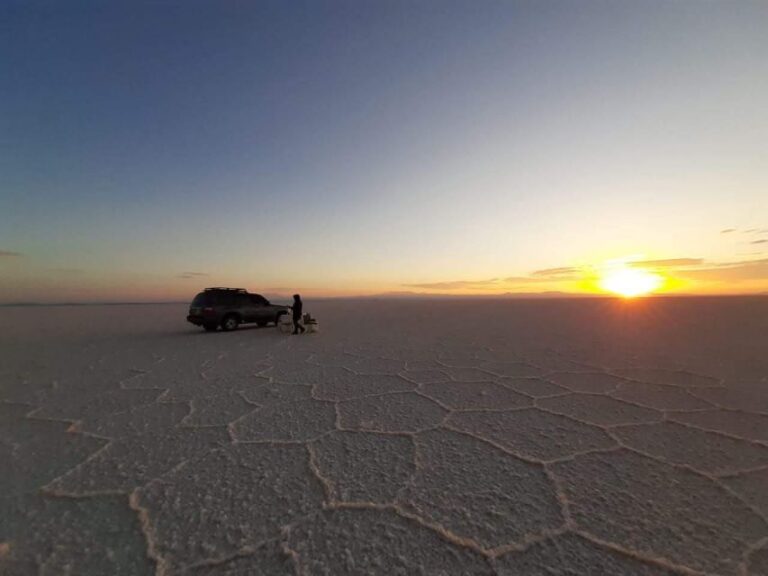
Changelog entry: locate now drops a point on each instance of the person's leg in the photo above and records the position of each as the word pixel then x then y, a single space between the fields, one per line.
pixel 296 325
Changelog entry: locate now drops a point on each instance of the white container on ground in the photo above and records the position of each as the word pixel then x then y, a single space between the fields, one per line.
pixel 286 324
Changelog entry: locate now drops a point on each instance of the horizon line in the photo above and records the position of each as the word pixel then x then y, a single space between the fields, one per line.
pixel 402 296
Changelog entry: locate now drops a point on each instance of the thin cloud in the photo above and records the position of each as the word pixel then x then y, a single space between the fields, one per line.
pixel 763 241
pixel 731 272
pixel 454 285
pixel 558 274
pixel 565 271
pixel 524 280
pixel 742 263
pixel 189 275
pixel 9 254
pixel 669 263
pixel 727 230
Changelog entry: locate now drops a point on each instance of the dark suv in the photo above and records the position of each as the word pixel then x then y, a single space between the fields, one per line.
pixel 230 307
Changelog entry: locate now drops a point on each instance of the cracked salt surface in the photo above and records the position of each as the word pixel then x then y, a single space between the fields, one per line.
pixel 478 492
pixel 474 395
pixel 453 439
pixel 573 555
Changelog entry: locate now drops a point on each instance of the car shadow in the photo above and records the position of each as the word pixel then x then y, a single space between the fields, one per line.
pixel 246 328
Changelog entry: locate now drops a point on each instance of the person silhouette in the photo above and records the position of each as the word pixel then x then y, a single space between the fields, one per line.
pixel 297 307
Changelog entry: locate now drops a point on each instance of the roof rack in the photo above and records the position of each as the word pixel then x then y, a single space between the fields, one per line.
pixel 219 289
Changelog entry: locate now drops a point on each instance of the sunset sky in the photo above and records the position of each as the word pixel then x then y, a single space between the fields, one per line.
pixel 365 147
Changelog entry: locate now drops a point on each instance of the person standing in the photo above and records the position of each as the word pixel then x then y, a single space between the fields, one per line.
pixel 297 308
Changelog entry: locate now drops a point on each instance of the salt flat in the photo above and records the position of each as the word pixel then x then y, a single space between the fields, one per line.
pixel 408 437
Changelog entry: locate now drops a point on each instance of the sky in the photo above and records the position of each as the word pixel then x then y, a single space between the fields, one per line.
pixel 149 149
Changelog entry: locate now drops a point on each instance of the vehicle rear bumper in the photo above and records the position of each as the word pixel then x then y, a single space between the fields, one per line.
pixel 196 320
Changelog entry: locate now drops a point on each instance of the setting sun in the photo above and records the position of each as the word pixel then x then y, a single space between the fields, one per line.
pixel 628 282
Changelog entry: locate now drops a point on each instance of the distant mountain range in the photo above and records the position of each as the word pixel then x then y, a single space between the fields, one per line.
pixel 405 295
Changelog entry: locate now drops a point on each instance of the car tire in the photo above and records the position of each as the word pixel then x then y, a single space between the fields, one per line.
pixel 230 322
pixel 210 327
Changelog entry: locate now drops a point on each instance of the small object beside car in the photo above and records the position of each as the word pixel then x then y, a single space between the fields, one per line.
pixel 285 325
pixel 311 324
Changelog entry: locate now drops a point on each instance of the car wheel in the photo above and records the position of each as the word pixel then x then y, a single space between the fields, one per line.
pixel 230 323
pixel 210 327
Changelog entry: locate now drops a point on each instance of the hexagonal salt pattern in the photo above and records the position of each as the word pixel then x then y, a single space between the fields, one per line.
pixel 78 406
pixel 467 374
pixel 306 373
pixel 751 487
pixel 532 433
pixel 659 510
pixel 359 386
pixel 746 400
pixel 511 369
pixel 361 466
pixel 659 396
pixel 478 492
pixel 267 559
pixel 598 409
pixel 38 451
pixel 407 412
pixel 474 395
pixel 573 555
pixel 275 393
pixel 55 536
pixel 425 376
pixel 217 410
pixel 376 366
pixel 672 377
pixel 378 543
pixel 732 422
pixel 248 493
pixel 132 461
pixel 452 439
pixel 298 421
pixel 590 382
pixel 534 387
pixel 704 451
pixel 148 418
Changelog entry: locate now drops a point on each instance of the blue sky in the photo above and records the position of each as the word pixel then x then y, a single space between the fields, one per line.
pixel 358 147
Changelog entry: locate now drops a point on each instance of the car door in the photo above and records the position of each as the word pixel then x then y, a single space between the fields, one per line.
pixel 245 307
pixel 263 311
pixel 256 307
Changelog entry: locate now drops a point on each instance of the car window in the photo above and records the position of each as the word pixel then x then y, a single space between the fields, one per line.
pixel 259 300
pixel 243 300
pixel 224 299
pixel 202 300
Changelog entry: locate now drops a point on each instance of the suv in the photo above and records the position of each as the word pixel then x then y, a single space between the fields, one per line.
pixel 230 307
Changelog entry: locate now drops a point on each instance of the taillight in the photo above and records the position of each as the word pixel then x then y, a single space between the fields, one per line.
pixel 208 310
